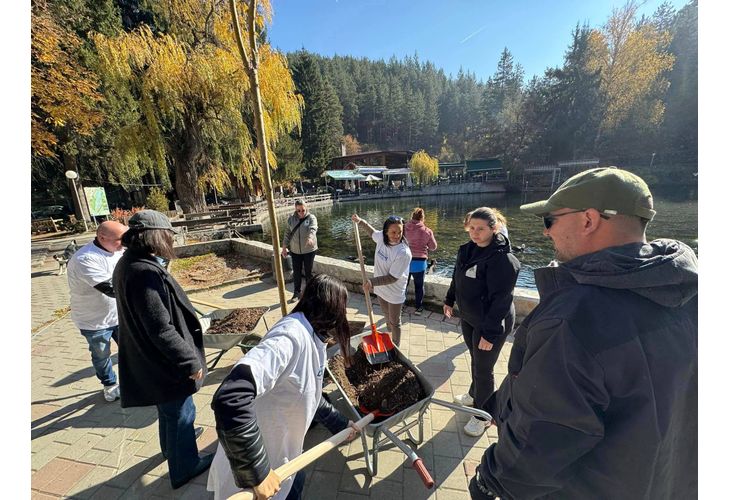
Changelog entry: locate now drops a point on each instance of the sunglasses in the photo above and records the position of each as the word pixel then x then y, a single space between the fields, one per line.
pixel 394 218
pixel 301 210
pixel 549 220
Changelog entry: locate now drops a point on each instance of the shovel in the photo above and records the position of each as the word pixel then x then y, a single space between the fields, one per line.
pixel 378 347
pixel 306 458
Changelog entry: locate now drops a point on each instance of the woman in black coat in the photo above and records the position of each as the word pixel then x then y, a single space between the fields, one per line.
pixel 485 274
pixel 161 357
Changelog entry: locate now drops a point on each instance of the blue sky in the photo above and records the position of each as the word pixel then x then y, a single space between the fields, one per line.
pixel 452 34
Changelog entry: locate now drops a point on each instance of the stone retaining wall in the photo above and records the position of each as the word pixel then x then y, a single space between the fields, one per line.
pixel 435 287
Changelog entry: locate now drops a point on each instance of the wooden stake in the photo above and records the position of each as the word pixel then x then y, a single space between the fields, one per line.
pixel 250 63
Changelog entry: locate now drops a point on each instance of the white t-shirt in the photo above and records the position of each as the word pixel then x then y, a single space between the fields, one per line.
pixel 394 261
pixel 288 366
pixel 89 266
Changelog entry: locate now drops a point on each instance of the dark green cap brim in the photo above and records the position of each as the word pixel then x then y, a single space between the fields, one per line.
pixel 539 208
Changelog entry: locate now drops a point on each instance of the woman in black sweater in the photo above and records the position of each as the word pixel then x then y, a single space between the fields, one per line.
pixel 483 282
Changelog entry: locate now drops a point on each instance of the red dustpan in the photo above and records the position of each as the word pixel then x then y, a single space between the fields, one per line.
pixel 378 346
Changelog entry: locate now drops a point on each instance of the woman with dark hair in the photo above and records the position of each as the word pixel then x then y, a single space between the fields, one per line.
pixel 265 405
pixel 483 282
pixel 161 357
pixel 390 276
pixel 420 241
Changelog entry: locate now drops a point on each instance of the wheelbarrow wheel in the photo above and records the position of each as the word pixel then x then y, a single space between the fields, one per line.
pixel 249 342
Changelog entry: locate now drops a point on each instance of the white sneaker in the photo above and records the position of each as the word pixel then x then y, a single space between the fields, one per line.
pixel 111 393
pixel 464 400
pixel 475 427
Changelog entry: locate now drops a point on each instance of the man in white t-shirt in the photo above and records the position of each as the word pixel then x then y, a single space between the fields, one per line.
pixel 93 306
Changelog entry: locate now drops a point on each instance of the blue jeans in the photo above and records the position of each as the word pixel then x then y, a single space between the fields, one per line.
pixel 177 437
pixel 100 348
pixel 418 279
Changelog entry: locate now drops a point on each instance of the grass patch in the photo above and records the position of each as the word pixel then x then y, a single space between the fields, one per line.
pixel 187 263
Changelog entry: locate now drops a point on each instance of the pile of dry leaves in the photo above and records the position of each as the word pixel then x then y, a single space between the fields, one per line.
pixel 202 271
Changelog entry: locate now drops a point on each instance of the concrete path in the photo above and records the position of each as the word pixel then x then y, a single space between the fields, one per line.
pixel 84 447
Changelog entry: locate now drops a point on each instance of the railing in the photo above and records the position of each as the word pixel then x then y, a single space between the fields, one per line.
pixel 45 225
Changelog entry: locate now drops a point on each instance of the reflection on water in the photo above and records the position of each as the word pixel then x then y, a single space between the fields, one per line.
pixel 676 218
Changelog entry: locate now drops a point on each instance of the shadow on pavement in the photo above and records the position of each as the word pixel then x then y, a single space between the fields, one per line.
pixel 47 272
pixel 90 412
pixel 87 372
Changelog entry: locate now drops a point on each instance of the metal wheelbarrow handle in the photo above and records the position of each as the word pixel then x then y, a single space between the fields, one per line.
pixel 416 461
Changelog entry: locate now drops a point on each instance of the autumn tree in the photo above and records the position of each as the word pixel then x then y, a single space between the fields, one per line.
pixel 352 146
pixel 187 87
pixel 64 94
pixel 423 166
pixel 632 59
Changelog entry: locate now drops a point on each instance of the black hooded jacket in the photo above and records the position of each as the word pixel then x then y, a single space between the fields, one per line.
pixel 601 399
pixel 483 284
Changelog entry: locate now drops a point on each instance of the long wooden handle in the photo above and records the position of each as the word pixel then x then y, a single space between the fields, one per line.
pixel 208 304
pixel 362 270
pixel 308 457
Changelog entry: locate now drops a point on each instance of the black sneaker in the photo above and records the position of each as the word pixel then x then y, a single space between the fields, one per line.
pixel 203 465
pixel 418 311
pixel 295 296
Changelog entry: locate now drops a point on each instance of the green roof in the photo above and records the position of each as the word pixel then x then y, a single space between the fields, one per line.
pixel 485 165
pixel 344 175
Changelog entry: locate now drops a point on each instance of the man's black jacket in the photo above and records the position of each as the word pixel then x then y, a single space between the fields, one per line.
pixel 601 398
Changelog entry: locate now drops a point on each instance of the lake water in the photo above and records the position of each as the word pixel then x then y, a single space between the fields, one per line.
pixel 676 218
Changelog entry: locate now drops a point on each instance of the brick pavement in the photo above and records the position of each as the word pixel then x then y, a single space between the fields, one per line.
pixel 84 447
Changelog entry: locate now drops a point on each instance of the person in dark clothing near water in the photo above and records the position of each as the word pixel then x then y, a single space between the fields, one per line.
pixel 161 357
pixel 601 396
pixel 482 285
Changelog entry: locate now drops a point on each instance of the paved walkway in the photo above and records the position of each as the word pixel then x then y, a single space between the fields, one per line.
pixel 84 447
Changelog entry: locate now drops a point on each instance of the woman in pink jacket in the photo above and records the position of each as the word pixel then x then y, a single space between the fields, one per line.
pixel 421 241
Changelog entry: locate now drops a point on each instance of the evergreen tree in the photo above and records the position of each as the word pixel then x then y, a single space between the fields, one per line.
pixel 572 101
pixel 679 131
pixel 322 118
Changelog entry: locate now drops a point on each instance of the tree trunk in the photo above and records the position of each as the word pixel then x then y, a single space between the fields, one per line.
pixel 185 158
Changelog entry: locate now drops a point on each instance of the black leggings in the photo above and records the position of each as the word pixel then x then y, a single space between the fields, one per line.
pixel 298 260
pixel 482 365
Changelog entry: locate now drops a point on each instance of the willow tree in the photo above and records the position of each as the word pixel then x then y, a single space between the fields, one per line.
pixel 632 58
pixel 190 91
pixel 423 166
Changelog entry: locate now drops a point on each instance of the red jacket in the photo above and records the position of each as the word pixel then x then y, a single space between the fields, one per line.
pixel 420 239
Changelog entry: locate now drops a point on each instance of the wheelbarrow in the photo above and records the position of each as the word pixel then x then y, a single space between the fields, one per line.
pixel 226 341
pixel 384 429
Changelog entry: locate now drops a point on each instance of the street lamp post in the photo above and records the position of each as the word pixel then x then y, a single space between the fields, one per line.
pixel 72 176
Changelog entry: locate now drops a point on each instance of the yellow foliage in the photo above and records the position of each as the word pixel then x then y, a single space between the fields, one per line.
pixel 190 83
pixel 63 92
pixel 423 166
pixel 632 60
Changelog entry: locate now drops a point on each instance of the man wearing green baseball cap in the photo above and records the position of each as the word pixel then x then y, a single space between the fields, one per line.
pixel 601 399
